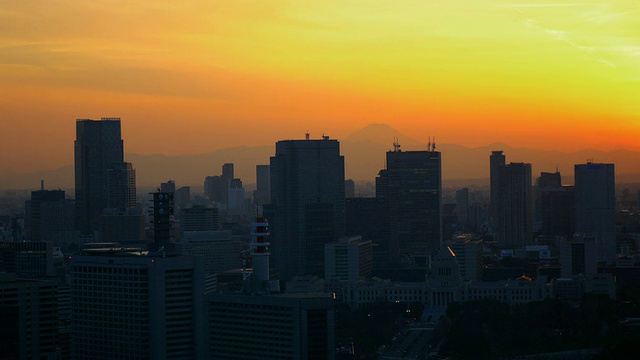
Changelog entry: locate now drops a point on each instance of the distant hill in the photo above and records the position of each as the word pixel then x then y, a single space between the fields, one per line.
pixel 364 152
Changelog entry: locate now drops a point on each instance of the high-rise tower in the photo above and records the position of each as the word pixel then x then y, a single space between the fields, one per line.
pixel 596 206
pixel 497 162
pixel 98 146
pixel 412 189
pixel 516 206
pixel 511 202
pixel 307 204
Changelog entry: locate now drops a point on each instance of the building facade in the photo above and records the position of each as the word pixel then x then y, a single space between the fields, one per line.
pixel 348 259
pixel 307 207
pixel 246 327
pixel 137 307
pixel 97 148
pixel 412 189
pixel 596 207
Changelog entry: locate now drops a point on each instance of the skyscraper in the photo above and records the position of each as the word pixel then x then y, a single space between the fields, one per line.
pixel 497 162
pixel 262 194
pixel 412 187
pixel 49 216
pixel 121 186
pixel 511 202
pixel 307 204
pixel 98 146
pixel 516 208
pixel 596 206
pixel 555 206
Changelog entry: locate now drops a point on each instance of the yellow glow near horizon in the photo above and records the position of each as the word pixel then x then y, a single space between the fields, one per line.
pixel 200 74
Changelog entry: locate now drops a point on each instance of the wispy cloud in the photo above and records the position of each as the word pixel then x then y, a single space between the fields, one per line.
pixel 549 5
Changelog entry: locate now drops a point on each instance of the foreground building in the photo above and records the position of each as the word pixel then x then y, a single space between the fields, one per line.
pixel 136 306
pixel 29 326
pixel 271 327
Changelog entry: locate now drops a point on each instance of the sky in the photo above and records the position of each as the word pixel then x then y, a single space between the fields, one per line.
pixel 190 77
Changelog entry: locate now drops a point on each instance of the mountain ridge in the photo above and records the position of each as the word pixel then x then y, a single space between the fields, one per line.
pixel 364 151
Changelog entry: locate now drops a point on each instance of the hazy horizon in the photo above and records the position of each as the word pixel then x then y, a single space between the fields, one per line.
pixel 192 77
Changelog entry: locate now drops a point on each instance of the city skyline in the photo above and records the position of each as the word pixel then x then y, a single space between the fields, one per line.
pixel 538 75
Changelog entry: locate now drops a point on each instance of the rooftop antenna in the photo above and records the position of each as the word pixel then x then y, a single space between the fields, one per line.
pixel 307 135
pixel 396 145
pixel 429 144
pixel 433 145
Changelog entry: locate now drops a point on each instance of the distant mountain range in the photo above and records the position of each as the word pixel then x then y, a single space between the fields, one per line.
pixel 364 152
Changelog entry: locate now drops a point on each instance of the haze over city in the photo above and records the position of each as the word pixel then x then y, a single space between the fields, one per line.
pixel 191 78
pixel 341 180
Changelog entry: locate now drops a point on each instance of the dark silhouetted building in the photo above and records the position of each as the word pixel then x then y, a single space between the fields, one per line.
pixel 367 217
pixel 555 206
pixel 126 227
pixel 121 186
pixel 511 202
pixel 199 218
pixel 50 217
pixel 137 306
pixel 27 259
pixel 262 194
pixel 596 207
pixel 349 188
pixel 168 187
pixel 411 187
pixel 97 148
pixel 497 161
pixel 462 209
pixel 307 204
pixel 293 326
pixel 29 323
pixel 348 259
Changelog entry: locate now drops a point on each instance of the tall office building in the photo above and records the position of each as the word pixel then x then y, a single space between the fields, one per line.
pixel 516 208
pixel 136 306
pixel 262 194
pixel 121 186
pixel 596 207
pixel 462 209
pixel 98 146
pixel 497 161
pixel 511 202
pixel 367 218
pixel 216 188
pixel 555 206
pixel 412 188
pixel 307 204
pixel 50 217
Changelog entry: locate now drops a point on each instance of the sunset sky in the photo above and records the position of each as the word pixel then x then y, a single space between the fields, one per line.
pixel 190 77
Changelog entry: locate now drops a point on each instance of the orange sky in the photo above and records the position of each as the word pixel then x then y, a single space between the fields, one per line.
pixel 194 76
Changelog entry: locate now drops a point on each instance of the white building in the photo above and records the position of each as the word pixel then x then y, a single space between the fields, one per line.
pixel 468 253
pixel 348 259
